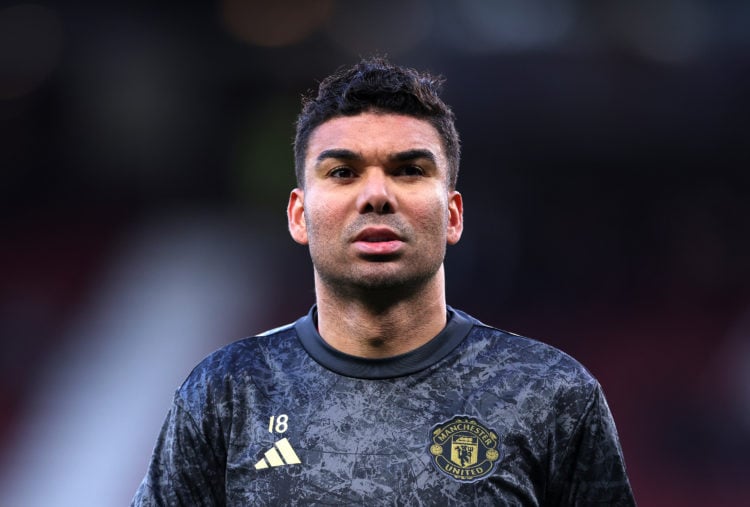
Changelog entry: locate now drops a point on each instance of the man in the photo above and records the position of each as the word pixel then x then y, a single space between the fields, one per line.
pixel 382 394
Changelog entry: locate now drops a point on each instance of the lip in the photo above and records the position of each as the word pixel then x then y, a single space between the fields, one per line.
pixel 378 241
pixel 377 235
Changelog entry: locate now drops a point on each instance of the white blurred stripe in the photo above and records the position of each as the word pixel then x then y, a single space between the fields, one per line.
pixel 177 290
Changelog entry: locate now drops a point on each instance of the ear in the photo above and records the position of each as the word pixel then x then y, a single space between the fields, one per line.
pixel 455 217
pixel 295 215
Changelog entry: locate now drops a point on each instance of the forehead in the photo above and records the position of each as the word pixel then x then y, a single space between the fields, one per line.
pixel 375 135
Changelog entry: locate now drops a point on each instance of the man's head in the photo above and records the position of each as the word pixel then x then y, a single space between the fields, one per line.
pixel 377 155
pixel 375 85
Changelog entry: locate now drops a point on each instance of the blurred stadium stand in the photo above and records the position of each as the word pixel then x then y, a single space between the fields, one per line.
pixel 145 154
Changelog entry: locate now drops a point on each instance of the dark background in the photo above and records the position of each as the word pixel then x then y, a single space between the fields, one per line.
pixel 145 156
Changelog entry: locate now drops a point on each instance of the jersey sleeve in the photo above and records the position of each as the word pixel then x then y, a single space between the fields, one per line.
pixel 592 471
pixel 184 469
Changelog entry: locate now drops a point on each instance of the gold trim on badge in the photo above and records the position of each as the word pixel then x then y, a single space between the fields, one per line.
pixel 464 449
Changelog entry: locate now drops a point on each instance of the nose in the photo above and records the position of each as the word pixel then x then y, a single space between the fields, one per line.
pixel 375 194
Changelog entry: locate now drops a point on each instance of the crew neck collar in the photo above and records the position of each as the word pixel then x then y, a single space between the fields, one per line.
pixel 458 326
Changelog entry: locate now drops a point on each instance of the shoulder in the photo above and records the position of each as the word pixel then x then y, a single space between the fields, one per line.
pixel 554 389
pixel 528 360
pixel 235 358
pixel 237 365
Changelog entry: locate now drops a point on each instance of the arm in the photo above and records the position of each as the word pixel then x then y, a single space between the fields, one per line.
pixel 185 469
pixel 592 470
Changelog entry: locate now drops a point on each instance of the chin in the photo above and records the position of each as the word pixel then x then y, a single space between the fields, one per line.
pixel 380 281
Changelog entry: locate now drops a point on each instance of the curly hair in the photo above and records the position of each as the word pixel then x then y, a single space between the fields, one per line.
pixel 375 84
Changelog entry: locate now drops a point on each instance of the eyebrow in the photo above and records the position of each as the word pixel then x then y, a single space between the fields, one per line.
pixel 401 156
pixel 338 153
pixel 405 156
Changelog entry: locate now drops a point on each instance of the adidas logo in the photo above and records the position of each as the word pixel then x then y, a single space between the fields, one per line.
pixel 279 455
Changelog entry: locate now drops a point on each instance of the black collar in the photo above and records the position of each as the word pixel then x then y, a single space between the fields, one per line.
pixel 458 326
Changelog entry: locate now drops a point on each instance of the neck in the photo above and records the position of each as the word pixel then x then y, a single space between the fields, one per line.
pixel 379 324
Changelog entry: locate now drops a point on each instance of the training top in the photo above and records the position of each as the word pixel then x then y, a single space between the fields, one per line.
pixel 476 416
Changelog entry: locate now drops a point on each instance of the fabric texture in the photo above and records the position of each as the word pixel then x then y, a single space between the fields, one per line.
pixel 477 416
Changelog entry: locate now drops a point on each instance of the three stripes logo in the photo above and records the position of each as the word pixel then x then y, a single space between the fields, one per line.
pixel 279 455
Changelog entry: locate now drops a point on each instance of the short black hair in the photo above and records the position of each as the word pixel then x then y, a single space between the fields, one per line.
pixel 375 84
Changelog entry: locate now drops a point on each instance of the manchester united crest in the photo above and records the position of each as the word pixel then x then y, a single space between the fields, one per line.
pixel 464 449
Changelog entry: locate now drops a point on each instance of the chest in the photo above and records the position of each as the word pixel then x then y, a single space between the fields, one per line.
pixel 346 441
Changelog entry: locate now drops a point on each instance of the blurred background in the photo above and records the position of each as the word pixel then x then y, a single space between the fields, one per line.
pixel 145 156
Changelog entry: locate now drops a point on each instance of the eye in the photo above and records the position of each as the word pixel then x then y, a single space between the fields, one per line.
pixel 341 172
pixel 410 170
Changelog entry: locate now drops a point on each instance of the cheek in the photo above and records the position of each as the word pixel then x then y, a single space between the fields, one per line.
pixel 432 216
pixel 321 219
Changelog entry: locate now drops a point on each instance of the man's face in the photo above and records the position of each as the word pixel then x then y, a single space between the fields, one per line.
pixel 376 210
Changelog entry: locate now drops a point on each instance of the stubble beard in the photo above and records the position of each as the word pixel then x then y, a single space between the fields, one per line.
pixel 387 278
pixel 384 278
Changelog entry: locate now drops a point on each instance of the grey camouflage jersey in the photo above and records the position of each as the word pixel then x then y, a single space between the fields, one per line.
pixel 477 416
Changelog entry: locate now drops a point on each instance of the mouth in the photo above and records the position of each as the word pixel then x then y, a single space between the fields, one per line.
pixel 377 235
pixel 378 241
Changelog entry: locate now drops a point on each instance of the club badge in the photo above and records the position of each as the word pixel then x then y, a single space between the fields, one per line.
pixel 464 449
